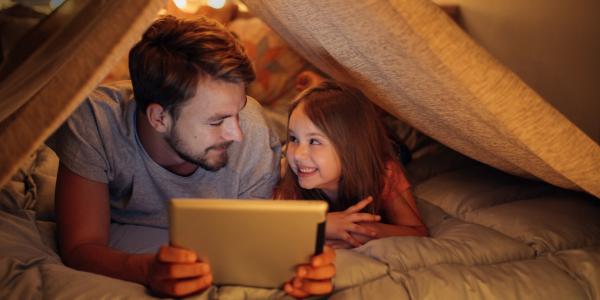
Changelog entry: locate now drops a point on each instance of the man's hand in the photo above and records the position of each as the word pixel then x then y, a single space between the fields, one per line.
pixel 314 278
pixel 341 225
pixel 177 272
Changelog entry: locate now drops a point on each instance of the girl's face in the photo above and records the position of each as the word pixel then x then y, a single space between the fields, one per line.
pixel 311 155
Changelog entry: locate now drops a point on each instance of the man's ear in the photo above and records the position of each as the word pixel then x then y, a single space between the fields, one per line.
pixel 158 117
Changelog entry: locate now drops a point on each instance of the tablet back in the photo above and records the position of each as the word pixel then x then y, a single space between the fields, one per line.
pixel 249 242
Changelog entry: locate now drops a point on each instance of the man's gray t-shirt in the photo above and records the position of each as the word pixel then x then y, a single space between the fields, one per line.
pixel 100 142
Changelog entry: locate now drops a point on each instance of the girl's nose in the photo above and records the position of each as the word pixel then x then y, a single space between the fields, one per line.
pixel 301 150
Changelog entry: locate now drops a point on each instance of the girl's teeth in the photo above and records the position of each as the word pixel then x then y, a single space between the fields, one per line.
pixel 307 170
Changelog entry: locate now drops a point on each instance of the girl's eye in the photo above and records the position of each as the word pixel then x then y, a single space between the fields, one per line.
pixel 292 138
pixel 315 142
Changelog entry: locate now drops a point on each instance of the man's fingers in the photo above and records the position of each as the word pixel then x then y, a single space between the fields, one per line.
pixel 294 292
pixel 316 273
pixel 360 205
pixel 178 271
pixel 325 258
pixel 363 217
pixel 170 254
pixel 317 287
pixel 183 287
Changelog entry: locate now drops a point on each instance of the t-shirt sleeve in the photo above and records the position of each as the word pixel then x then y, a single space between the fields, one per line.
pixel 264 185
pixel 79 146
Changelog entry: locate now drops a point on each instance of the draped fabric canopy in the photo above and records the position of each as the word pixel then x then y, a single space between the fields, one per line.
pixel 413 60
pixel 406 55
pixel 57 64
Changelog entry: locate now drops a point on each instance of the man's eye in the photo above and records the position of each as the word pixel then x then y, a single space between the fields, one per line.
pixel 217 123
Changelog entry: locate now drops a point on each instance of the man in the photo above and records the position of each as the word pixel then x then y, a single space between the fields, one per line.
pixel 191 132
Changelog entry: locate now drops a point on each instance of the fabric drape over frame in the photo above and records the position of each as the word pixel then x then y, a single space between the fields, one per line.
pixel 53 68
pixel 409 57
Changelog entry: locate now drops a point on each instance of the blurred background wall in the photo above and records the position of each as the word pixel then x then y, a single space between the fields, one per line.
pixel 553 45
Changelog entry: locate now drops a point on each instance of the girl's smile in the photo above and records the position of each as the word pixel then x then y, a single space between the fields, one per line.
pixel 311 155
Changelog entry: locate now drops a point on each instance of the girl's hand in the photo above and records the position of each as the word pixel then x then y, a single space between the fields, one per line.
pixel 341 225
pixel 338 244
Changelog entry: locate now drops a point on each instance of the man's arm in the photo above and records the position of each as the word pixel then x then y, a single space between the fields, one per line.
pixel 83 221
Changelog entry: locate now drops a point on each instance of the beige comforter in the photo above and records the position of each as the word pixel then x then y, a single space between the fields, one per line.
pixel 493 236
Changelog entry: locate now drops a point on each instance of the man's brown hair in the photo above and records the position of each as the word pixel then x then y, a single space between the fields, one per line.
pixel 352 123
pixel 174 54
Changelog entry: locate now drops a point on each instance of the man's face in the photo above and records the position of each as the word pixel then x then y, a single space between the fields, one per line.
pixel 208 124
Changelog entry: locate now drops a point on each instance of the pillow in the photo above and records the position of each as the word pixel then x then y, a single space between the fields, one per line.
pixel 557 221
pixel 32 186
pixel 275 64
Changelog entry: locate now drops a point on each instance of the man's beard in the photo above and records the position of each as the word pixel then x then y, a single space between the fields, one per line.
pixel 202 160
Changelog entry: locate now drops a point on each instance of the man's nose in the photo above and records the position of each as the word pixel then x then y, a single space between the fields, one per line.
pixel 233 132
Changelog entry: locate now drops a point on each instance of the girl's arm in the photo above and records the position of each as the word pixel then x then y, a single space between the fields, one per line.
pixel 386 230
pixel 399 207
pixel 402 216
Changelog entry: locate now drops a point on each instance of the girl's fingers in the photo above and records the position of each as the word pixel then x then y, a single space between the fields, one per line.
pixel 363 217
pixel 360 205
pixel 362 230
pixel 351 240
pixel 338 244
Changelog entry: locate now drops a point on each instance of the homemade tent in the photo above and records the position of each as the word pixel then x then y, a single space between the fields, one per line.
pixel 493 234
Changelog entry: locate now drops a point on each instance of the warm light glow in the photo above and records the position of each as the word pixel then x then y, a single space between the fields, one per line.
pixel 192 6
pixel 216 3
pixel 189 6
pixel 181 4
pixel 242 7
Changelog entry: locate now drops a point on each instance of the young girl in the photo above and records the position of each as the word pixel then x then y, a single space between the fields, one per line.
pixel 338 150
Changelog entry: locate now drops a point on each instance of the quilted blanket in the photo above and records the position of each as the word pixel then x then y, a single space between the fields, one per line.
pixel 493 236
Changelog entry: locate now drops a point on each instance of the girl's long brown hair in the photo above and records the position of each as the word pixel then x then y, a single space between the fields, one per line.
pixel 353 125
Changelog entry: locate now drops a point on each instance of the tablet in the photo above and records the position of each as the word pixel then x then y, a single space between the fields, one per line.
pixel 249 242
